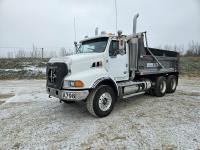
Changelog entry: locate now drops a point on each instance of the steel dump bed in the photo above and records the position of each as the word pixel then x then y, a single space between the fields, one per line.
pixel 161 61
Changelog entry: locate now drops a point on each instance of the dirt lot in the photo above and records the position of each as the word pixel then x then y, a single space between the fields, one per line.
pixel 29 120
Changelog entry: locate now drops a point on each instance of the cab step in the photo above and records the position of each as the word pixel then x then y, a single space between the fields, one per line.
pixel 134 94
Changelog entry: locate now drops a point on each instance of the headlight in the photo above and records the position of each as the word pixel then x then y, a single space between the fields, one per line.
pixel 70 83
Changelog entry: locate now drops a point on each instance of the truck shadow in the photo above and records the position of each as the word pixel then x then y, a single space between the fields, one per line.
pixel 75 110
pixel 78 109
pixel 131 102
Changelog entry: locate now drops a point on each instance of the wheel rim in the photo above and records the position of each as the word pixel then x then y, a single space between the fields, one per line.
pixel 163 87
pixel 173 84
pixel 105 101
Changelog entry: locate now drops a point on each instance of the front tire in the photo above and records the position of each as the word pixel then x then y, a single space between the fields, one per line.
pixel 101 101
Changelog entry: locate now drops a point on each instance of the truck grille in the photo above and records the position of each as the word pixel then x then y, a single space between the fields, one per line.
pixel 55 74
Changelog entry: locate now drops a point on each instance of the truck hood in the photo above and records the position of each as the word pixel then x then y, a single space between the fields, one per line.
pixel 76 57
pixel 79 62
pixel 84 56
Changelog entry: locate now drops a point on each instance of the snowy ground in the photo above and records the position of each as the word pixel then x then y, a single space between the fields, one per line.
pixel 29 120
pixel 32 69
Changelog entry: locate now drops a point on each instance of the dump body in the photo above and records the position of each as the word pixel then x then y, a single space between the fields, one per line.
pixel 146 61
pixel 148 65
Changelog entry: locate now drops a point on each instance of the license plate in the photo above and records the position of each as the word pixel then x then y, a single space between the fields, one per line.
pixel 70 95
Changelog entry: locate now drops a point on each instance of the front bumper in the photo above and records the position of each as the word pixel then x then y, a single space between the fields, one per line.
pixel 77 95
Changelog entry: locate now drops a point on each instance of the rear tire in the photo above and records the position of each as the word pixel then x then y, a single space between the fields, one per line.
pixel 171 84
pixel 160 86
pixel 101 101
pixel 150 92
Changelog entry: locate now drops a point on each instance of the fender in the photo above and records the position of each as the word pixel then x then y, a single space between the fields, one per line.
pixel 106 80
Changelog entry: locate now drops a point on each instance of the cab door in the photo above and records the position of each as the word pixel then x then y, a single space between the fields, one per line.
pixel 118 61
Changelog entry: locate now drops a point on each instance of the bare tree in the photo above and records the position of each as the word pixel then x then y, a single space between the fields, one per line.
pixel 20 54
pixel 181 49
pixel 10 55
pixel 52 54
pixel 63 51
pixel 193 49
pixel 167 47
pixel 69 52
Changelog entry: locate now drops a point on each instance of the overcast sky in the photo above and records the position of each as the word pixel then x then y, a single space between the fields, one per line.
pixel 49 23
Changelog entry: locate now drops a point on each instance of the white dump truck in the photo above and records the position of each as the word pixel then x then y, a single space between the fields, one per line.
pixel 109 67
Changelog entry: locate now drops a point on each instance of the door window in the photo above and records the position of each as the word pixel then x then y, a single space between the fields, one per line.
pixel 113 48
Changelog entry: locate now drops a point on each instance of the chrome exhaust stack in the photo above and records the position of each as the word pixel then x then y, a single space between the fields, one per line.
pixel 135 23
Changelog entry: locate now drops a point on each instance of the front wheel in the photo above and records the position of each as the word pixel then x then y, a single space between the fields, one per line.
pixel 101 101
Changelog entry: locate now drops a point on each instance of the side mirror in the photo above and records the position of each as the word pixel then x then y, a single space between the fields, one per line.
pixel 117 47
pixel 116 52
pixel 121 45
pixel 119 51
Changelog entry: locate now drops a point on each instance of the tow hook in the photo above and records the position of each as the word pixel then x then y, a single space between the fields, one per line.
pixel 50 96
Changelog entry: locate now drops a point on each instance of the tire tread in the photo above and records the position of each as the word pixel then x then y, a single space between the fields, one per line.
pixel 157 87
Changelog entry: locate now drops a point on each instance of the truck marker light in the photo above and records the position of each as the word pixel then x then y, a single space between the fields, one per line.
pixel 78 83
pixel 109 34
pixel 75 83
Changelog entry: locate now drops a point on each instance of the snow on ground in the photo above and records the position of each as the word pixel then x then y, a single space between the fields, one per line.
pixel 35 69
pixel 31 69
pixel 30 120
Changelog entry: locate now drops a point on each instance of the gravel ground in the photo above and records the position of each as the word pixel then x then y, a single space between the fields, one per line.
pixel 30 120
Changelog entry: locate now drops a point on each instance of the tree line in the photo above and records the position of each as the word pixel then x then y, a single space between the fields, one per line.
pixel 38 53
pixel 193 49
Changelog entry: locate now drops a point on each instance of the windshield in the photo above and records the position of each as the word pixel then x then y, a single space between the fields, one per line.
pixel 93 46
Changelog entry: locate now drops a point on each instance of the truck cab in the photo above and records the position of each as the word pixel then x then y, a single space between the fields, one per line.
pixel 110 67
